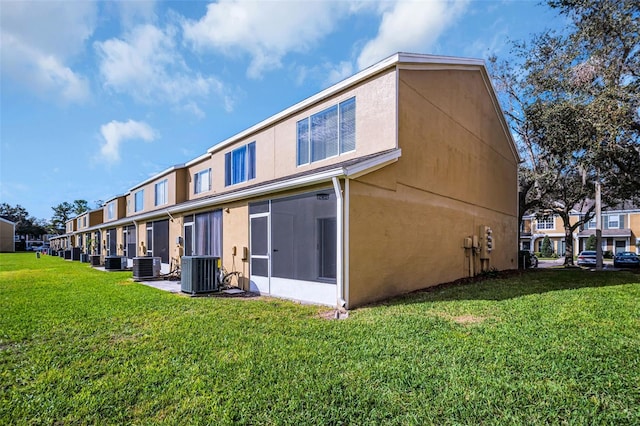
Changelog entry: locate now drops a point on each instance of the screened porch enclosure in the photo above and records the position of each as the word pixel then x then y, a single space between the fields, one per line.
pixel 293 246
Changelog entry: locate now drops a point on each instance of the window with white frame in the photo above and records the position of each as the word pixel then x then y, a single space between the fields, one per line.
pixel 545 222
pixel 84 221
pixel 202 181
pixel 162 193
pixel 591 224
pixel 139 200
pixel 240 164
pixel 614 221
pixel 327 133
pixel 111 210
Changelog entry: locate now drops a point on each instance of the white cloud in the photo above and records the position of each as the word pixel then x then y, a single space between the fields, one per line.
pixel 39 39
pixel 339 72
pixel 147 65
pixel 116 132
pixel 266 31
pixel 410 26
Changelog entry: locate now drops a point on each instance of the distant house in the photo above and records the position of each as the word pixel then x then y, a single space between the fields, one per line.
pixel 7 236
pixel 620 230
pixel 400 177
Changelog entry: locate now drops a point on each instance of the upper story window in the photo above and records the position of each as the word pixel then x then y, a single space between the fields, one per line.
pixel 84 221
pixel 79 220
pixel 240 164
pixel 327 133
pixel 202 181
pixel 162 193
pixel 139 200
pixel 614 221
pixel 111 210
pixel 546 222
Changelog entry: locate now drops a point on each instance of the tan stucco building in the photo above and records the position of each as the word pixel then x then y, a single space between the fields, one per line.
pixel 620 231
pixel 7 236
pixel 392 180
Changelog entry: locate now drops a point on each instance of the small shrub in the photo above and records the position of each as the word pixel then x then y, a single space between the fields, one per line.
pixel 591 243
pixel 547 249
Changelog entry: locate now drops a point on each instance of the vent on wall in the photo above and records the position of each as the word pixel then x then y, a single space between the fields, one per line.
pixel 199 274
pixel 146 268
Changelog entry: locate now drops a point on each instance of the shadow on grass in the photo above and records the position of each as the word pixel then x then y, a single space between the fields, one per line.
pixel 513 284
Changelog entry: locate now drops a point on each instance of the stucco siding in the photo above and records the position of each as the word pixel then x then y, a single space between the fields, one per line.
pixel 276 145
pixel 409 239
pixel 7 237
pixel 235 233
pixel 458 153
pixel 458 171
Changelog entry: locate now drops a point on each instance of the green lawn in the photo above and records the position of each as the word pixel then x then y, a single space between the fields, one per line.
pixel 80 346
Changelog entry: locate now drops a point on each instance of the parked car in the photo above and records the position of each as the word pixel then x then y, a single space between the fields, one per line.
pixel 587 258
pixel 626 259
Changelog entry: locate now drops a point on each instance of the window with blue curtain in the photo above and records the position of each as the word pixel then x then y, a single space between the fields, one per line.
pixel 240 164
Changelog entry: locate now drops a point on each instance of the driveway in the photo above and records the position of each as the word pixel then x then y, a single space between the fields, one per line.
pixel 549 263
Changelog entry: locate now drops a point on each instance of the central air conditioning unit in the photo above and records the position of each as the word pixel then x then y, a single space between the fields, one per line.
pixel 95 259
pixel 75 253
pixel 199 274
pixel 115 263
pixel 146 268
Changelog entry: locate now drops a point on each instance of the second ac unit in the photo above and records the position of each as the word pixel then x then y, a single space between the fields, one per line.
pixel 199 274
pixel 75 253
pixel 115 263
pixel 146 267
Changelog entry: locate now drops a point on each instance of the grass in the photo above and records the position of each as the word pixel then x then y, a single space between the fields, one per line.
pixel 80 346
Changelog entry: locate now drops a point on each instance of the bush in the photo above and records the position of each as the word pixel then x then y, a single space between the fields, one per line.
pixel 547 249
pixel 591 243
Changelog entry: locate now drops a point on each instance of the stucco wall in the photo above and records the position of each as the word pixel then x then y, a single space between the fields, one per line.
pixel 235 233
pixel 6 237
pixel 408 221
pixel 276 145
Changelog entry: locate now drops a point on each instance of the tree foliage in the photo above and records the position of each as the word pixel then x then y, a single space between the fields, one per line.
pixel 66 211
pixel 546 250
pixel 572 101
pixel 25 224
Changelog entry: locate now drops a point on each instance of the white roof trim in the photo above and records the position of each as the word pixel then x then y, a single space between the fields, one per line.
pixel 196 160
pixel 158 176
pixel 7 221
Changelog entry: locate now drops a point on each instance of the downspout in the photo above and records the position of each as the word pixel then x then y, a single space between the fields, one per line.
pixel 340 302
pixel 135 224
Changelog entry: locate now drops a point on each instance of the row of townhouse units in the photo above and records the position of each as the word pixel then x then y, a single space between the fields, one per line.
pixel 620 231
pixel 376 186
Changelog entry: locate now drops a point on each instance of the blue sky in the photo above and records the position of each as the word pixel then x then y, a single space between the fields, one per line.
pixel 99 96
